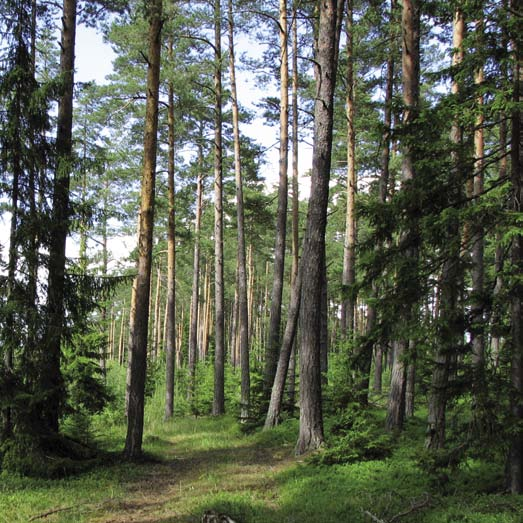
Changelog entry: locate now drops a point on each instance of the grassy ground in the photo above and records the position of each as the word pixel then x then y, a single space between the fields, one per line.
pixel 208 464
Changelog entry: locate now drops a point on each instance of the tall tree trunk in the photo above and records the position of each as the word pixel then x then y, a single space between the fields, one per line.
pixel 410 387
pixel 291 372
pixel 377 384
pixel 349 260
pixel 477 272
pixel 273 346
pixel 250 290
pixel 243 310
pixel 51 376
pixel 311 418
pixel 219 329
pixel 410 24
pixel 34 241
pixel 448 332
pixel 499 257
pixel 140 321
pixel 194 314
pixel 383 191
pixel 278 388
pixel 170 327
pixel 105 267
pixel 515 454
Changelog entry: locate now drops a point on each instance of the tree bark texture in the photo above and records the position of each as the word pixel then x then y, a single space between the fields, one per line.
pixel 383 191
pixel 278 388
pixel 477 312
pixel 410 61
pixel 349 247
pixel 170 327
pixel 291 371
pixel 273 347
pixel 311 418
pixel 140 322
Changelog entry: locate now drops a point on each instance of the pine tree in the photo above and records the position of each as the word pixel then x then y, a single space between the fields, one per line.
pixel 140 311
pixel 311 419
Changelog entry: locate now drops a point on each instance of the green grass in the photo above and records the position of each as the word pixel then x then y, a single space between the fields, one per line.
pixel 198 464
pixel 209 464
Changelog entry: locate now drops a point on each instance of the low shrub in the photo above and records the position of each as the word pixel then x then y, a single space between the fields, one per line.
pixel 357 435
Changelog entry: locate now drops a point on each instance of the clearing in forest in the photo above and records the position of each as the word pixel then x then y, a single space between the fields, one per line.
pixel 200 464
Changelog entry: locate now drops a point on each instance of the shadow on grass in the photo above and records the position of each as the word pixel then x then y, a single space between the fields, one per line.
pixel 254 479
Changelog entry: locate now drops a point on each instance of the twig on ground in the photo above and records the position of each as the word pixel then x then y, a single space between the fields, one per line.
pixel 414 505
pixel 374 518
pixel 50 512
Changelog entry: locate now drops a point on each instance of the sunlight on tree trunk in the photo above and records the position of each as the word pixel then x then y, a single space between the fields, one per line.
pixel 140 321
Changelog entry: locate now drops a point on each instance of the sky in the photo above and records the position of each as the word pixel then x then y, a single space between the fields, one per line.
pixel 94 62
pixel 93 56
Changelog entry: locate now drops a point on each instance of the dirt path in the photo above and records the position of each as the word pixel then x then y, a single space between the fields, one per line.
pixel 192 478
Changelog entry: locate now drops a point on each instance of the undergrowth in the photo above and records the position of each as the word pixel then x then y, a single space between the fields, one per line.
pixel 202 463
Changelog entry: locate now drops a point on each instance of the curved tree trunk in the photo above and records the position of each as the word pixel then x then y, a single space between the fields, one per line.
pixel 291 372
pixel 273 346
pixel 278 388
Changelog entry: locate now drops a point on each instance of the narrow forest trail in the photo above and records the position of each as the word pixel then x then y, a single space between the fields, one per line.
pixel 199 467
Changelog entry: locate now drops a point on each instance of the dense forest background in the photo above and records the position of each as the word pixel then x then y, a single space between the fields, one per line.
pixel 393 286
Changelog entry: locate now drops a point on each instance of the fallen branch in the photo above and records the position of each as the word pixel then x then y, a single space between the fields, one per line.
pixel 374 518
pixel 414 506
pixel 50 512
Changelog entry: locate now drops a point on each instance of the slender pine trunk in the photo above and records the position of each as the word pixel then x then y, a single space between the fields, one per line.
pixel 170 318
pixel 140 320
pixel 219 329
pixel 243 310
pixel 273 346
pixel 410 68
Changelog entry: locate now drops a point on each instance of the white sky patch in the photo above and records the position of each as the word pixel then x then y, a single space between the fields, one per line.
pixel 93 57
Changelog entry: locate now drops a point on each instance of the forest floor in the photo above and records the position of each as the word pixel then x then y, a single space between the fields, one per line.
pixel 198 464
pixel 201 466
pixel 193 465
